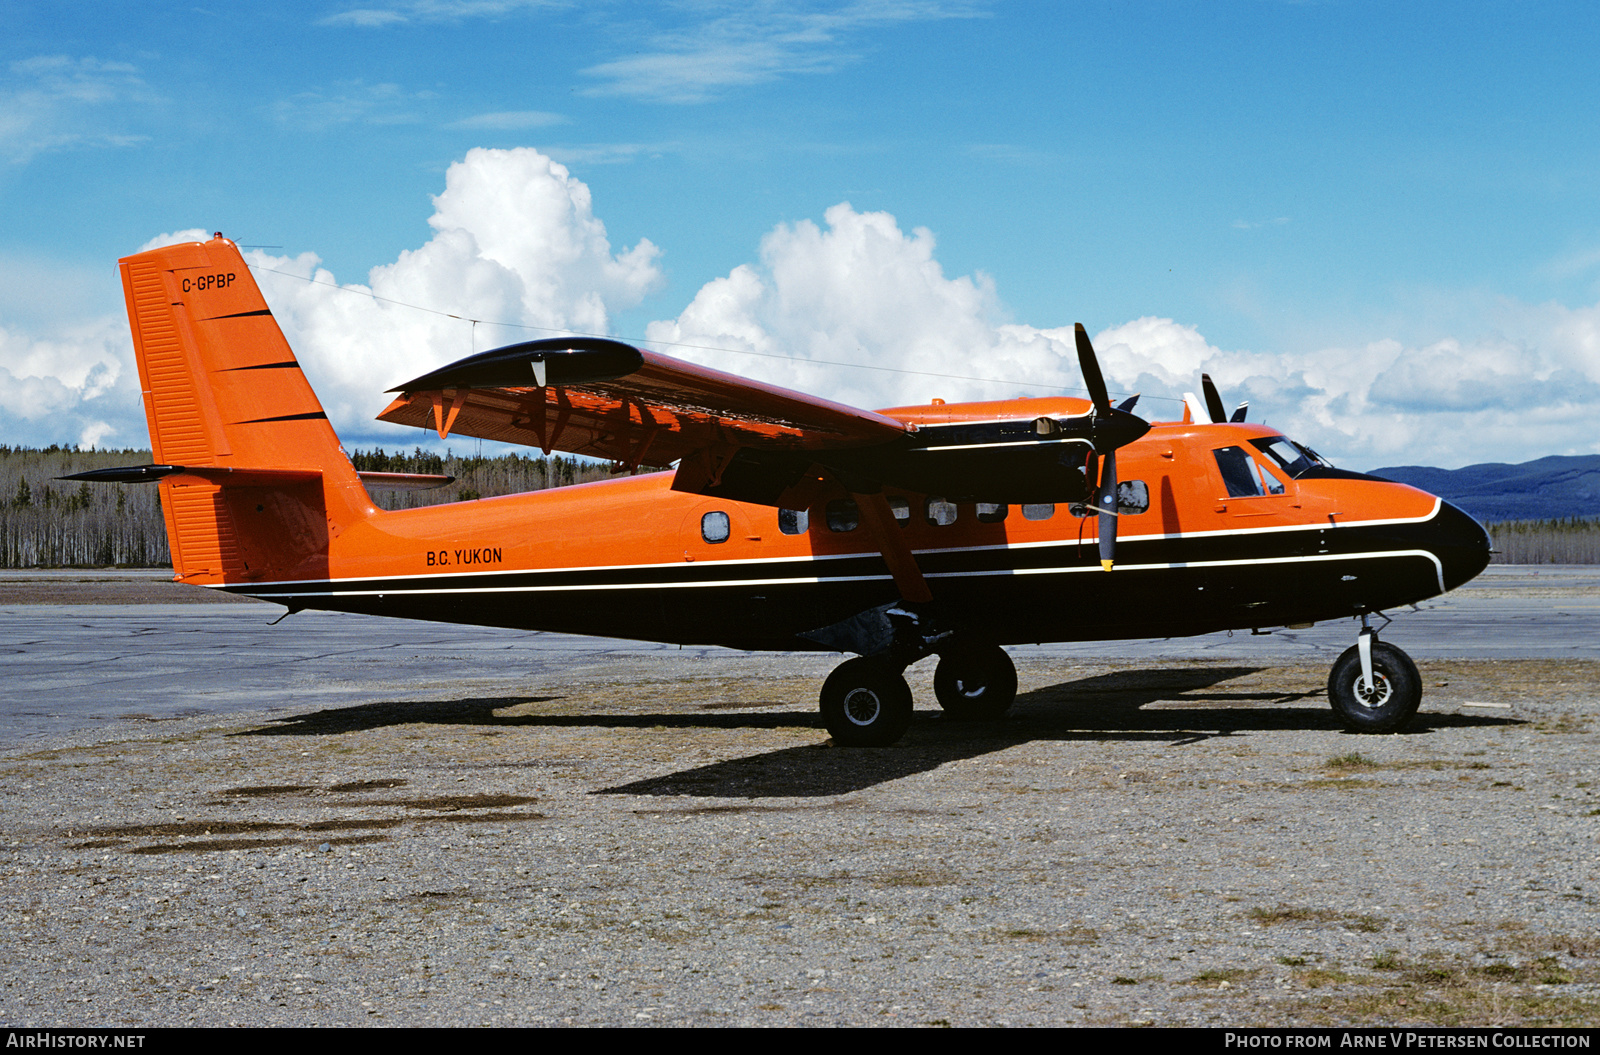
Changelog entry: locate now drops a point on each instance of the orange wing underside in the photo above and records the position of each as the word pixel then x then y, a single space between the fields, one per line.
pixel 660 413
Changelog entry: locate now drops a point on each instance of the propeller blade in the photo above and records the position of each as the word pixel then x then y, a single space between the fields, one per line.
pixel 1106 500
pixel 1213 401
pixel 1092 378
pixel 1240 411
pixel 1126 406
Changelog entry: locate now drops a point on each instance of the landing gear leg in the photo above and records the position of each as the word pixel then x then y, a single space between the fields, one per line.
pixel 1374 687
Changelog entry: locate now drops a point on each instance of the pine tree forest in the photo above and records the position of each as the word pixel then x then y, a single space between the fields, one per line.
pixel 48 522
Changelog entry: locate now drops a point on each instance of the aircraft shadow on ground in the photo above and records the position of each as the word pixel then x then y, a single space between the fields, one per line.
pixel 1114 707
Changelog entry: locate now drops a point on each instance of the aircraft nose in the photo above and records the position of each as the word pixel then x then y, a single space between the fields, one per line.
pixel 1460 543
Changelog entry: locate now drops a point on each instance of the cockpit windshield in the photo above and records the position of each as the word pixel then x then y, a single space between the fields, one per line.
pixel 1290 456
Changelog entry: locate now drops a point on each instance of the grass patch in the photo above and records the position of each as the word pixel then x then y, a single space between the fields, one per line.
pixel 1292 914
pixel 1562 723
pixel 1339 783
pixel 1225 975
pixel 1062 935
pixel 1353 760
pixel 1455 991
pixel 1480 1005
pixel 1366 923
pixel 1317 977
pixel 915 877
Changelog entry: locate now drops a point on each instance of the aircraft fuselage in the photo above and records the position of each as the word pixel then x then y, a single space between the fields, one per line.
pixel 632 558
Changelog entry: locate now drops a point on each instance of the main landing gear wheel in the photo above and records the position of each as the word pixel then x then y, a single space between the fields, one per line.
pixel 866 703
pixel 975 683
pixel 1385 706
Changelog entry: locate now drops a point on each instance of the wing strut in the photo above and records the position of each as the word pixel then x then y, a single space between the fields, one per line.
pixel 892 544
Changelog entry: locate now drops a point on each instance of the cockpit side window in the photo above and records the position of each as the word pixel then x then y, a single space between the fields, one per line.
pixel 1238 472
pixel 1244 476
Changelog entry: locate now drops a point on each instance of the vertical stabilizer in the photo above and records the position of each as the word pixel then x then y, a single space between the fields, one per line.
pixel 222 391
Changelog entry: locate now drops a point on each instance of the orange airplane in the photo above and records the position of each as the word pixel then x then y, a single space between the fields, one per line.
pixel 789 522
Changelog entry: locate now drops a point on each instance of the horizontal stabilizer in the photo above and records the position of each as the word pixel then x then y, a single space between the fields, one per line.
pixel 404 481
pixel 215 474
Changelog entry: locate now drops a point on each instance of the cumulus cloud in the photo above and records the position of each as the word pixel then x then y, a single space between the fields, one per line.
pixel 76 386
pixel 515 241
pixel 864 293
pixel 855 309
pixel 1495 397
pixel 188 234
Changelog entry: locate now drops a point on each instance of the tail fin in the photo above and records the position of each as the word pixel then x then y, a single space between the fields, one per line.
pixel 225 397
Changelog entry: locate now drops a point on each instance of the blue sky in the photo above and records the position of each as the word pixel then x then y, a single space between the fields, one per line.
pixel 1379 222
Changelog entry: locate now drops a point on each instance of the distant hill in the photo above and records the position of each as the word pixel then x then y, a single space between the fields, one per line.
pixel 1538 490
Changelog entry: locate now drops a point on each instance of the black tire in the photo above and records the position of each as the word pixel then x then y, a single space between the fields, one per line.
pixel 866 703
pixel 975 683
pixel 1386 708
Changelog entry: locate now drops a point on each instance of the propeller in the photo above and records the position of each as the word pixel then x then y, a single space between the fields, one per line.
pixel 1213 400
pixel 1214 410
pixel 1111 427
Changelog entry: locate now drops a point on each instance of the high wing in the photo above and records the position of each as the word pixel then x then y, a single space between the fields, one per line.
pixel 751 442
pixel 605 399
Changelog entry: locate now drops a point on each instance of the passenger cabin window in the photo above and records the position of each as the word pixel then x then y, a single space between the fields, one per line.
pixel 1132 497
pixel 939 512
pixel 714 526
pixel 793 521
pixel 1039 511
pixel 1243 477
pixel 901 508
pixel 843 515
pixel 991 513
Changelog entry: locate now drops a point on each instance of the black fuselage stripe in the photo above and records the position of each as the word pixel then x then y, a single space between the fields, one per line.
pixel 1061 557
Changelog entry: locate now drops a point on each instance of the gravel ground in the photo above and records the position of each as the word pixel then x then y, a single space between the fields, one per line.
pixel 662 839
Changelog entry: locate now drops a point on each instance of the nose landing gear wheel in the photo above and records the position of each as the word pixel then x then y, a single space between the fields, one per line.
pixel 866 703
pixel 975 683
pixel 1384 706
